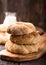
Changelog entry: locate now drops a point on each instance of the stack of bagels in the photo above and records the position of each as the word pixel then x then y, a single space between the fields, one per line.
pixel 24 38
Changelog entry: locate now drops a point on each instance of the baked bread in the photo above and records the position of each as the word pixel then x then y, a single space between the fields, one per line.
pixel 4 37
pixel 6 55
pixel 24 38
pixel 20 49
pixel 3 28
pixel 21 28
pixel 32 38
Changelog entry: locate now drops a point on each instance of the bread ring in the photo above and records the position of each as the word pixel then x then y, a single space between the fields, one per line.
pixel 21 49
pixel 21 28
pixel 32 38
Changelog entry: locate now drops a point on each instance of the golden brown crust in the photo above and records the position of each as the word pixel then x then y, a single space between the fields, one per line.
pixel 32 38
pixel 4 37
pixel 21 49
pixel 3 28
pixel 21 28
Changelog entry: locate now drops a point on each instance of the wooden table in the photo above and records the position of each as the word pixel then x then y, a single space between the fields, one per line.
pixel 40 61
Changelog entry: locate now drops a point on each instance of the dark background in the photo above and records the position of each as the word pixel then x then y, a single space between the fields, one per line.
pixel 26 10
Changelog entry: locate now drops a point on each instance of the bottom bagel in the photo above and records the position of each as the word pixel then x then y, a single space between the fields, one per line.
pixel 21 49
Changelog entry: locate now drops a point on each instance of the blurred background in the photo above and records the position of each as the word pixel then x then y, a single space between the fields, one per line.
pixel 26 10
